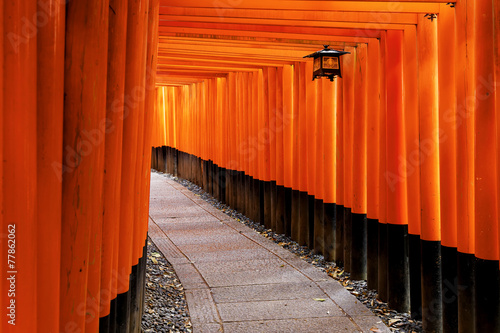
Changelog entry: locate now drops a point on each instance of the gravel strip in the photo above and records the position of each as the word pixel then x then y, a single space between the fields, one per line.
pixel 165 308
pixel 396 321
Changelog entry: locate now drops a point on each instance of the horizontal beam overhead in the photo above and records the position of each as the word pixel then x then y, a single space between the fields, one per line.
pixel 202 39
pixel 336 16
pixel 406 6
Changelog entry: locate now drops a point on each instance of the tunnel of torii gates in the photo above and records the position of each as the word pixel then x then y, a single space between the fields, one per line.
pixel 390 171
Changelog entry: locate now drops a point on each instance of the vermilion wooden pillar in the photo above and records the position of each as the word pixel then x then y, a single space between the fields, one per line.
pixel 2 106
pixel 410 72
pixel 50 107
pixel 19 111
pixel 288 143
pixel 84 135
pixel 359 166
pixel 280 166
pixel 339 193
pixel 383 181
pixel 303 186
pixel 319 181
pixel 271 94
pixel 348 69
pixel 429 174
pixel 373 161
pixel 150 97
pixel 329 175
pixel 465 131
pixel 448 165
pixel 496 41
pixel 265 141
pixel 140 91
pixel 133 112
pixel 397 212
pixel 113 156
pixel 487 294
pixel 296 153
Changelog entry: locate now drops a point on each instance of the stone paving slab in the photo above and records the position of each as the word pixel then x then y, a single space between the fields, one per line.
pixel 236 280
pixel 282 309
pixel 267 292
pixel 247 272
pixel 308 325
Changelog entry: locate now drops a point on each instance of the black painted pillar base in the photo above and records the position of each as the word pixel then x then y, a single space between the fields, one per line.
pixel 274 202
pixel 123 313
pixel 330 226
pixel 319 226
pixel 359 247
pixel 372 253
pixel 104 324
pixel 234 189
pixel 256 200
pixel 240 191
pixel 398 296
pixel 288 211
pixel 382 262
pixel 295 211
pixel 449 289
pixel 280 209
pixel 304 219
pixel 310 207
pixel 347 238
pixel 222 184
pixel 487 296
pixel 112 324
pixel 465 287
pixel 134 307
pixel 415 277
pixel 127 308
pixel 154 158
pixel 248 196
pixel 176 162
pixel 204 179
pixel 267 205
pixel 339 236
pixel 262 203
pixel 169 157
pixel 210 177
pixel 215 181
pixel 163 162
pixel 432 310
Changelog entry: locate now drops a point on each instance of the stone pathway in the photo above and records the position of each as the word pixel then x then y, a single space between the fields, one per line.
pixel 236 280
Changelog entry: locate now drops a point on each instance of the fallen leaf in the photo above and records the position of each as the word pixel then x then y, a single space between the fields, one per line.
pixel 156 254
pixel 375 329
pixel 393 321
pixel 154 261
pixel 319 299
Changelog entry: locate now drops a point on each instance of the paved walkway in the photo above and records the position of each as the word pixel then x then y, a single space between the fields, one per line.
pixel 237 280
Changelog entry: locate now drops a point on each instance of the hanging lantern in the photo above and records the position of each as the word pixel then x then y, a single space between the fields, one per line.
pixel 326 63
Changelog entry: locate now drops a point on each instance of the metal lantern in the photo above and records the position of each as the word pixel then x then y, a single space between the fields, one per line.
pixel 326 63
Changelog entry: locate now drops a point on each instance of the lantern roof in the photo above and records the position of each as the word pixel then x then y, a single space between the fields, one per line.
pixel 326 52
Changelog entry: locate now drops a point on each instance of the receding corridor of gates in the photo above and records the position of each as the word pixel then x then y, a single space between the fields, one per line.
pixel 379 151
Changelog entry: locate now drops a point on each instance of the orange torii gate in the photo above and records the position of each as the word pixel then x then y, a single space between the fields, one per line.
pixel 405 160
pixel 391 171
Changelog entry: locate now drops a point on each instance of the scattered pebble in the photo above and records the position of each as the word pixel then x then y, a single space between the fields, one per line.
pixel 396 321
pixel 165 308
